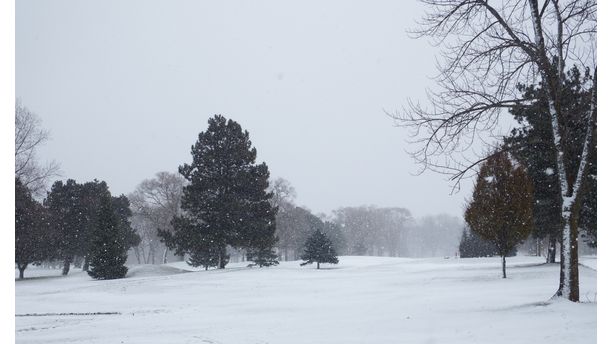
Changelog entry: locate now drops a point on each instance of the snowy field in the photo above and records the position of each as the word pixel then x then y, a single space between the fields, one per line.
pixel 361 300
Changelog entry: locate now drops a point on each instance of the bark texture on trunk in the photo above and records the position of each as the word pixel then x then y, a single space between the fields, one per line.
pixel 568 276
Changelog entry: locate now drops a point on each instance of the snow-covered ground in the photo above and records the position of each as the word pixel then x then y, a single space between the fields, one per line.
pixel 361 300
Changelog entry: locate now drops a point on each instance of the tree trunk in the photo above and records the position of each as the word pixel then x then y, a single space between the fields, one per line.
pixel 552 249
pixel 317 265
pixel 86 264
pixel 21 268
pixel 568 276
pixel 286 254
pixel 137 251
pixel 504 266
pixel 222 261
pixel 66 269
pixel 574 294
pixel 165 258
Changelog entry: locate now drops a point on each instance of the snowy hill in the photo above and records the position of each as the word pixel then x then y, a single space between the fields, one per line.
pixel 361 300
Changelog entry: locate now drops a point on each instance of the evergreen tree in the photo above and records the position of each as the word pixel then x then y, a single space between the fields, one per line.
pixel 226 202
pixel 261 242
pixel 501 209
pixel 69 219
pixel 90 197
pixel 319 249
pixel 127 234
pixel 192 238
pixel 33 242
pixel 533 145
pixel 109 251
pixel 263 256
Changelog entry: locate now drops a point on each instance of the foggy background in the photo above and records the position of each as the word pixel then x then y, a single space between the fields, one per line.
pixel 124 88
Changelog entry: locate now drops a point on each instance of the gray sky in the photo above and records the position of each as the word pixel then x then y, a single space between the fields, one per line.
pixel 125 86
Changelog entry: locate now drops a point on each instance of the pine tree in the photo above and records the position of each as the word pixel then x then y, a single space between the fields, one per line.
pixel 260 243
pixel 501 209
pixel 127 234
pixel 532 144
pixel 319 249
pixel 226 202
pixel 90 196
pixel 109 251
pixel 70 220
pixel 33 242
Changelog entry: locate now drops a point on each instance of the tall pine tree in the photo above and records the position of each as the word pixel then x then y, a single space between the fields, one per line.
pixel 226 202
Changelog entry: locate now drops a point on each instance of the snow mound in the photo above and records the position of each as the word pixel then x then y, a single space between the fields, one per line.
pixel 148 270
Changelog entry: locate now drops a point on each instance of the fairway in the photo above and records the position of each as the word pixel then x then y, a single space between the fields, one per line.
pixel 360 300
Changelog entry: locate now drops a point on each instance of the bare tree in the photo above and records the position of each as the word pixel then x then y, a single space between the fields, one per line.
pixel 29 135
pixel 487 49
pixel 155 202
pixel 283 198
pixel 284 192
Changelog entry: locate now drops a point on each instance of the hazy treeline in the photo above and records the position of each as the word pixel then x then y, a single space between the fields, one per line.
pixel 363 230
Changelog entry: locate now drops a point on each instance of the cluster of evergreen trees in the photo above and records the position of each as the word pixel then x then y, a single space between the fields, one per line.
pixel 517 191
pixel 228 203
pixel 75 222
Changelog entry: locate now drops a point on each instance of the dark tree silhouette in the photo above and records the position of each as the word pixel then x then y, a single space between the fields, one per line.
pixel 501 209
pixel 319 249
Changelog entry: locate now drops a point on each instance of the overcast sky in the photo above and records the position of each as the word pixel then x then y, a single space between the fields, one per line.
pixel 125 86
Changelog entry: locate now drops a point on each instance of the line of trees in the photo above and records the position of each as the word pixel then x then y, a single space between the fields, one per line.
pixel 75 223
pixel 489 49
pixel 81 224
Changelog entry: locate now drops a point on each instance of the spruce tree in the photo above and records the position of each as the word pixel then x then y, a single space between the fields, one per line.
pixel 319 249
pixel 501 209
pixel 226 202
pixel 109 251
